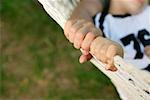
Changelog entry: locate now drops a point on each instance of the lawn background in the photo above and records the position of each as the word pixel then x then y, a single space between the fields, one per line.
pixel 38 62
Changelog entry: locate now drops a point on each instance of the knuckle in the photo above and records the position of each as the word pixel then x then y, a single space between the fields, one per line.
pixel 71 39
pixel 92 35
pixel 66 35
pixel 69 22
pixel 76 45
pixel 112 46
pixel 96 32
pixel 79 36
pixel 65 29
pixel 73 29
pixel 84 46
pixel 69 36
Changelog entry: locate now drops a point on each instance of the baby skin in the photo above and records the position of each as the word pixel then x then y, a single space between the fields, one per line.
pixel 83 34
pixel 80 30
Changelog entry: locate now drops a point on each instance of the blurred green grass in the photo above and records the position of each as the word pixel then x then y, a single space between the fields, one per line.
pixel 37 62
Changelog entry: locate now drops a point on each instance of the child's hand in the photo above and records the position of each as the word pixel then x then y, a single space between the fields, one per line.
pixel 81 33
pixel 105 50
pixel 147 51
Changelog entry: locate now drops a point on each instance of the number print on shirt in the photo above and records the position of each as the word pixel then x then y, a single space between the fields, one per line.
pixel 141 36
pixel 140 39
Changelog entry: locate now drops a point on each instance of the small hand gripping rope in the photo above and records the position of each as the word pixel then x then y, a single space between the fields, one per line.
pixel 130 82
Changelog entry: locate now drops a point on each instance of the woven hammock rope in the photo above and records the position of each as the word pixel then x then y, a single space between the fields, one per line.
pixel 130 82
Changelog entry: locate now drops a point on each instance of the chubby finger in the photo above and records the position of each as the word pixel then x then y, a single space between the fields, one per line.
pixel 88 40
pixel 111 52
pixel 75 27
pixel 102 53
pixel 84 58
pixel 91 35
pixel 80 36
pixel 84 52
pixel 66 35
pixel 95 45
pixel 67 27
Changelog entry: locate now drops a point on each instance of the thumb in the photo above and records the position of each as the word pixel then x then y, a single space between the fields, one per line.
pixel 110 65
pixel 84 58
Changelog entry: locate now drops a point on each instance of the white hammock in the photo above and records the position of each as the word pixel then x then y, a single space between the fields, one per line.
pixel 131 83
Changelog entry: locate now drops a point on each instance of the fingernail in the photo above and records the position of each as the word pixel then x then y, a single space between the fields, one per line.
pixel 115 69
pixel 111 68
pixel 81 61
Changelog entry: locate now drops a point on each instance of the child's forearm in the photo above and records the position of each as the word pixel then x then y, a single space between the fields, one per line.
pixel 86 9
